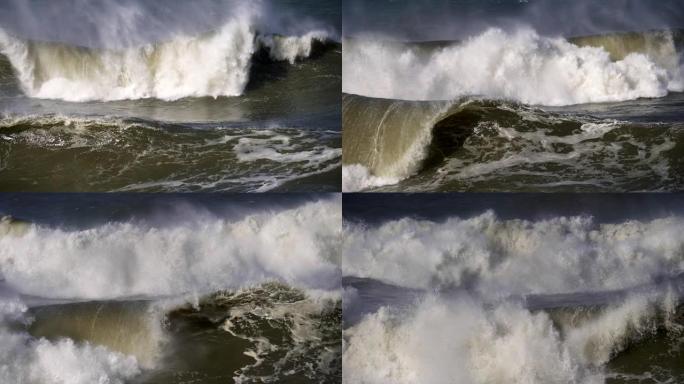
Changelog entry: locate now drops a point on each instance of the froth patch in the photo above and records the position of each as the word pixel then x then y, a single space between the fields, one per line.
pixel 356 177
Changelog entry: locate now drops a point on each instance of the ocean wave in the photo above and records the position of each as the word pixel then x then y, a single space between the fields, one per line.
pixel 117 301
pixel 214 64
pixel 463 340
pixel 496 257
pixel 280 332
pixel 519 65
pixel 296 246
pixel 498 145
pixel 37 360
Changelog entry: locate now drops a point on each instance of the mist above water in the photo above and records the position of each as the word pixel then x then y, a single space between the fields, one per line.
pixel 425 20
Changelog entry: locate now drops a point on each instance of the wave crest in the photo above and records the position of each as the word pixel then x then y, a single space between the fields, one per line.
pixel 214 64
pixel 522 66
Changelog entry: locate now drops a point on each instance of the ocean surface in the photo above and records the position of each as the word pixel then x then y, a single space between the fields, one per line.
pixel 161 97
pixel 144 288
pixel 522 288
pixel 513 109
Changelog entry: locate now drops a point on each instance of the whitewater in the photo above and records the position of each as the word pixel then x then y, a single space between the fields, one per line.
pixel 518 65
pixel 491 300
pixel 129 279
pixel 216 63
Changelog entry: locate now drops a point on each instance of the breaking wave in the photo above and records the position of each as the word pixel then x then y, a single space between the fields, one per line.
pixel 491 255
pixel 296 246
pixel 214 64
pixel 520 65
pixel 115 301
pixel 462 340
pixel 486 300
pixel 479 144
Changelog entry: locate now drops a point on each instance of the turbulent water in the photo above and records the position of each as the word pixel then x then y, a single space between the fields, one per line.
pixel 514 111
pixel 252 297
pixel 492 300
pixel 236 108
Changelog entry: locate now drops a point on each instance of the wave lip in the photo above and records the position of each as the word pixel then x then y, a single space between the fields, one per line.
pixel 521 66
pixel 214 64
pixel 482 144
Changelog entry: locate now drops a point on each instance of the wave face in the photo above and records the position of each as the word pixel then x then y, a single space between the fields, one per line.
pixel 214 64
pixel 521 66
pixel 119 154
pixel 485 300
pixel 487 145
pixel 253 298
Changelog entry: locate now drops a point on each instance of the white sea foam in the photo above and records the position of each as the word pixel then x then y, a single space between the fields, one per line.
pixel 497 257
pixel 298 246
pixel 214 64
pixel 464 341
pixel 291 48
pixel 282 148
pixel 24 359
pixel 356 177
pixel 520 65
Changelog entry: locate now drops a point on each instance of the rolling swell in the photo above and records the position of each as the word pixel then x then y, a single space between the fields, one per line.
pixel 145 155
pixel 479 144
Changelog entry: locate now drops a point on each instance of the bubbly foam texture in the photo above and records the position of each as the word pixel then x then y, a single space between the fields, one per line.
pixel 291 48
pixel 356 177
pixel 520 65
pixel 297 246
pixel 590 154
pixel 29 360
pixel 310 338
pixel 464 341
pixel 214 64
pixel 268 145
pixel 497 257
